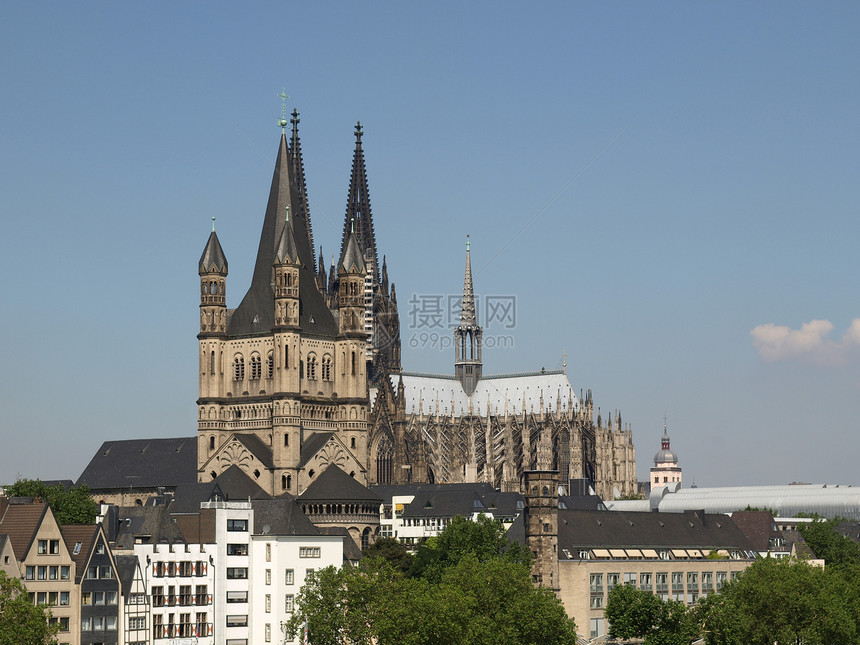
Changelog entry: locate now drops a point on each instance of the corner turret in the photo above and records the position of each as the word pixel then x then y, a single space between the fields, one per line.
pixel 468 334
pixel 212 269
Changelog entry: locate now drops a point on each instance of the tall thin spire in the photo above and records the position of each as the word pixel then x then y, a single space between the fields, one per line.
pixel 358 208
pixel 468 335
pixel 301 189
pixel 468 315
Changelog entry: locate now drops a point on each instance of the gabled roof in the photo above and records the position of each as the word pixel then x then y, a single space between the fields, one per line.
pixel 351 552
pixel 255 315
pixel 21 522
pixel 142 463
pixel 237 485
pixel 286 250
pixel 312 445
pixel 352 260
pixel 80 539
pixel 631 529
pixel 281 516
pixel 758 526
pixel 256 447
pixel 126 567
pixel 150 524
pixel 335 485
pixel 187 497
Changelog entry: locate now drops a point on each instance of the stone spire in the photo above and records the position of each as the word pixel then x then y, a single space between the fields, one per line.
pixel 467 336
pixel 358 214
pixel 301 190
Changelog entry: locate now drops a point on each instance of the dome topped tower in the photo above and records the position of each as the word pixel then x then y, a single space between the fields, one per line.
pixel 666 467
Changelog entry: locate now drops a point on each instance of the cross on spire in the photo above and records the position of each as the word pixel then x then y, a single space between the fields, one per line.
pixel 358 131
pixel 282 122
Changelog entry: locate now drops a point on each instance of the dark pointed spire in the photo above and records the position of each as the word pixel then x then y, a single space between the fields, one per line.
pixel 384 282
pixel 352 259
pixel 287 252
pixel 302 207
pixel 213 259
pixel 358 213
pixel 468 335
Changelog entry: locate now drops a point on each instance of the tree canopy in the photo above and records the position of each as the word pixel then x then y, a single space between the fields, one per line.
pixel 827 543
pixel 72 506
pixel 470 586
pixel 21 622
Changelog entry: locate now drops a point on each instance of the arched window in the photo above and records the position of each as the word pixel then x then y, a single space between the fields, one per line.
pixel 352 442
pixel 384 459
pixel 326 368
pixel 286 439
pixel 239 368
pixel 312 366
pixel 353 363
pixel 283 482
pixel 256 367
pixel 212 363
pixel 365 538
pixel 212 443
pixel 289 482
pixel 270 365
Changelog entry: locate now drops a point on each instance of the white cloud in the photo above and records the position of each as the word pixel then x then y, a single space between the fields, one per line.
pixel 778 342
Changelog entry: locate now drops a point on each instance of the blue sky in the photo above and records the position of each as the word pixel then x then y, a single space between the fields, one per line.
pixel 668 190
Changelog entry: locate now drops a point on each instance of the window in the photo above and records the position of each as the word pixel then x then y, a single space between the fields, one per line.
pixel 201 595
pixel 692 581
pixel 158 625
pixel 312 366
pixel 200 568
pixel 237 596
pixel 268 633
pixel 185 630
pixel 42 597
pixel 137 599
pixel 268 603
pixel 137 622
pixel 100 549
pixel 597 627
pixel 86 624
pixel 64 573
pixel 98 623
pixel 309 552
pixel 326 368
pixel 238 369
pixel 42 547
pixel 237 620
pixel 237 549
pixel 288 577
pixel 309 575
pixel 612 580
pixel 270 365
pixel 86 598
pixel 158 596
pixel 42 573
pixel 256 367
pixel 268 576
pixel 110 622
pixel 721 579
pixel 53 598
pixel 186 569
pixel 92 573
pixel 630 579
pixel 185 595
pixel 98 597
pixel 53 573
pixel 64 598
pixel 596 583
pixel 288 603
pixel 237 525
pixel 268 552
pixel 105 572
pixel 597 602
pixel 202 626
pixel 30 573
pixel 77 548
pixel 237 573
pixel 64 624
pixel 54 547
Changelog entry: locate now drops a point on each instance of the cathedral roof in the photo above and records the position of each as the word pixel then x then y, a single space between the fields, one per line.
pixel 256 313
pixel 142 463
pixel 352 261
pixel 515 392
pixel 335 485
pixel 213 259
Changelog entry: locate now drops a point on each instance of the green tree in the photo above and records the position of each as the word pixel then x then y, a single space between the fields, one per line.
pixel 21 622
pixel 633 613
pixel 827 543
pixel 392 551
pixel 73 506
pixel 485 538
pixel 784 601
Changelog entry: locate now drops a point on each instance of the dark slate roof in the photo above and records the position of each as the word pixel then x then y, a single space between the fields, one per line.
pixel 142 463
pixel 388 491
pixel 256 447
pixel 450 503
pixel 256 313
pixel 187 497
pixel 312 445
pixel 758 526
pixel 335 485
pixel 352 260
pixel 152 524
pixel 351 552
pixel 281 516
pixel 126 566
pixel 237 485
pixel 582 502
pixel 213 259
pixel 649 530
pixel 21 522
pixel 849 529
pixel 517 530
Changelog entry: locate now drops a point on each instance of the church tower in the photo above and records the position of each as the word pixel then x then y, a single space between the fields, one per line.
pixel 666 469
pixel 540 488
pixel 283 391
pixel 467 336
